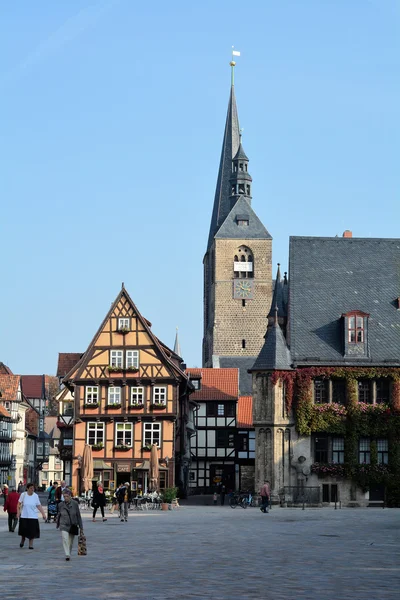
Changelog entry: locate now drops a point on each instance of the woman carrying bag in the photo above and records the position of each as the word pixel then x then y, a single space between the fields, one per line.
pixel 99 501
pixel 69 520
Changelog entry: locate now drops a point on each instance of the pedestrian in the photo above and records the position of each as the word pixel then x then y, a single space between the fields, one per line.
pixel 265 493
pixel 124 497
pixel 11 506
pixel 27 513
pixel 215 498
pixel 21 487
pixel 69 521
pixel 5 493
pixel 222 493
pixel 60 492
pixel 99 501
pixel 52 492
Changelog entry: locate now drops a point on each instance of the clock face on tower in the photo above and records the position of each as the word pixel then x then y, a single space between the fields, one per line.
pixel 243 289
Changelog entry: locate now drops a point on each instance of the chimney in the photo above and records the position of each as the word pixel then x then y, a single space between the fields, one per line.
pixel 347 234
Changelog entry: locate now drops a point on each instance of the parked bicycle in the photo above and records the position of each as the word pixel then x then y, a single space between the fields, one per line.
pixel 240 499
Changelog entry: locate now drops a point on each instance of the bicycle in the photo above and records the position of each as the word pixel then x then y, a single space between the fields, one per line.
pixel 238 499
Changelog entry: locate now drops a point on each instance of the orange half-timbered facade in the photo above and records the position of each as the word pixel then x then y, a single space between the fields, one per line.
pixel 130 393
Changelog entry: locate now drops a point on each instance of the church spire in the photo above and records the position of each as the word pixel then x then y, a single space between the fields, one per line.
pixel 177 346
pixel 230 146
pixel 240 177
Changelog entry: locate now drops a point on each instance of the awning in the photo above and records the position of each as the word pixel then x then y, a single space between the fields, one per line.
pixel 100 465
pixel 145 466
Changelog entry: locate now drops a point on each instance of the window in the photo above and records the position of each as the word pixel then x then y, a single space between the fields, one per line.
pixel 92 394
pixel 152 434
pixel 67 409
pixel 382 447
pixel 95 433
pixel 320 391
pixel 338 450
pixel 124 323
pixel 160 395
pixel 329 492
pixel 132 359
pixel 116 358
pixel 124 434
pixel 364 451
pixel 339 391
pixel 220 410
pixel 242 223
pixel 321 449
pixel 243 302
pixel 114 395
pixel 355 329
pixel 243 442
pixel 382 391
pixel 162 480
pixel 196 383
pixel 39 449
pixel 137 396
pixel 243 344
pixel 364 391
pixel 225 438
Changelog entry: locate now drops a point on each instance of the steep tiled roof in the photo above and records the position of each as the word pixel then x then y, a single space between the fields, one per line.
pixel 245 412
pixel 4 370
pixel 243 363
pixel 9 387
pixel 329 277
pixel 216 384
pixel 33 386
pixel 66 361
pixel 4 412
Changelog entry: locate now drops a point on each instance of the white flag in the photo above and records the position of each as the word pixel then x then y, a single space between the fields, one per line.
pixel 235 53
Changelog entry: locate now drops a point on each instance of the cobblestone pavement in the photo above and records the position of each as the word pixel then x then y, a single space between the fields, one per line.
pixel 213 553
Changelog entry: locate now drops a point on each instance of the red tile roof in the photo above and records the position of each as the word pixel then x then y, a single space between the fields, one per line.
pixel 33 386
pixel 4 412
pixel 4 370
pixel 216 384
pixel 9 387
pixel 67 360
pixel 245 412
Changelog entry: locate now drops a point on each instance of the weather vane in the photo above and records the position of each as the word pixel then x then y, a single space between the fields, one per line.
pixel 233 63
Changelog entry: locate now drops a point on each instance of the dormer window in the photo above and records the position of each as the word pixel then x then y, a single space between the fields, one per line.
pixel 355 329
pixel 196 384
pixel 355 334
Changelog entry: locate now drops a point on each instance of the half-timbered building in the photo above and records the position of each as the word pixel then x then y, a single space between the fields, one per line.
pixel 245 443
pixel 129 393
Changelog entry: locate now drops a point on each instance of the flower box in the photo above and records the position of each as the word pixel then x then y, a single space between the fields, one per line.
pixel 146 448
pixel 158 406
pixel 96 447
pixel 122 448
pixel 136 406
pixel 123 330
pixel 109 406
pixel 114 369
pixel 132 369
pixel 92 405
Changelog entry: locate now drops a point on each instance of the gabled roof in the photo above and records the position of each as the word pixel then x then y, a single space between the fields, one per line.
pixel 33 386
pixel 9 386
pixel 4 412
pixel 216 384
pixel 4 370
pixel 230 146
pixel 76 370
pixel 231 230
pixel 243 364
pixel 274 355
pixel 245 412
pixel 329 277
pixel 66 361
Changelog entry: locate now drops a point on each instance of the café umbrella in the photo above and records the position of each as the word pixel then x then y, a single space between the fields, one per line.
pixel 87 468
pixel 154 468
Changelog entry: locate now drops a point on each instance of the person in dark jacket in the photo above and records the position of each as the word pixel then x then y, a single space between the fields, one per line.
pixel 99 501
pixel 11 506
pixel 68 515
pixel 124 497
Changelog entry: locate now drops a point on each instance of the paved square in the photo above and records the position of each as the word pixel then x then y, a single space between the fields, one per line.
pixel 214 553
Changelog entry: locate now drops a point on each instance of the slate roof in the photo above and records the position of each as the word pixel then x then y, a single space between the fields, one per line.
pixel 230 146
pixel 279 297
pixel 245 412
pixel 274 355
pixel 240 154
pixel 216 384
pixel 243 363
pixel 9 385
pixel 231 230
pixel 332 276
pixel 66 361
pixel 33 386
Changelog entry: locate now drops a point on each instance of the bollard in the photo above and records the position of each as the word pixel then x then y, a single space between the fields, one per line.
pixel 335 504
pixel 303 504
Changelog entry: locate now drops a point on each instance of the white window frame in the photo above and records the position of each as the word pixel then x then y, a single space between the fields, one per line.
pixel 127 432
pixel 91 394
pixel 132 359
pixel 116 358
pixel 99 432
pixel 150 433
pixel 117 396
pixel 139 393
pixel 124 323
pixel 160 395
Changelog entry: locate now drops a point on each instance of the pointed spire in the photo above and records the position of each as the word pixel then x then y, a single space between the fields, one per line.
pixel 278 301
pixel 230 145
pixel 177 346
pixel 275 354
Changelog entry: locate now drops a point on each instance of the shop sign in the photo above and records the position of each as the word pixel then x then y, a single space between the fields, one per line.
pixel 123 468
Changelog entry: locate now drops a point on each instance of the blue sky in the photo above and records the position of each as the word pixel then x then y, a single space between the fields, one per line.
pixel 112 121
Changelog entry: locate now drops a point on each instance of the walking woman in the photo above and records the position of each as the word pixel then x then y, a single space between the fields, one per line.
pixel 27 513
pixel 69 520
pixel 99 501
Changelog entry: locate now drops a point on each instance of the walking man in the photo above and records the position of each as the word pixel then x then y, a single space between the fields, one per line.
pixel 124 497
pixel 265 494
pixel 11 506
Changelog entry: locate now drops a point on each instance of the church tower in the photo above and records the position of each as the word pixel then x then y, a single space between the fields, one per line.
pixel 237 263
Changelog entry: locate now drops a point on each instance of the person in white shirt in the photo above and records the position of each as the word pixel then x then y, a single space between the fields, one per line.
pixel 27 513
